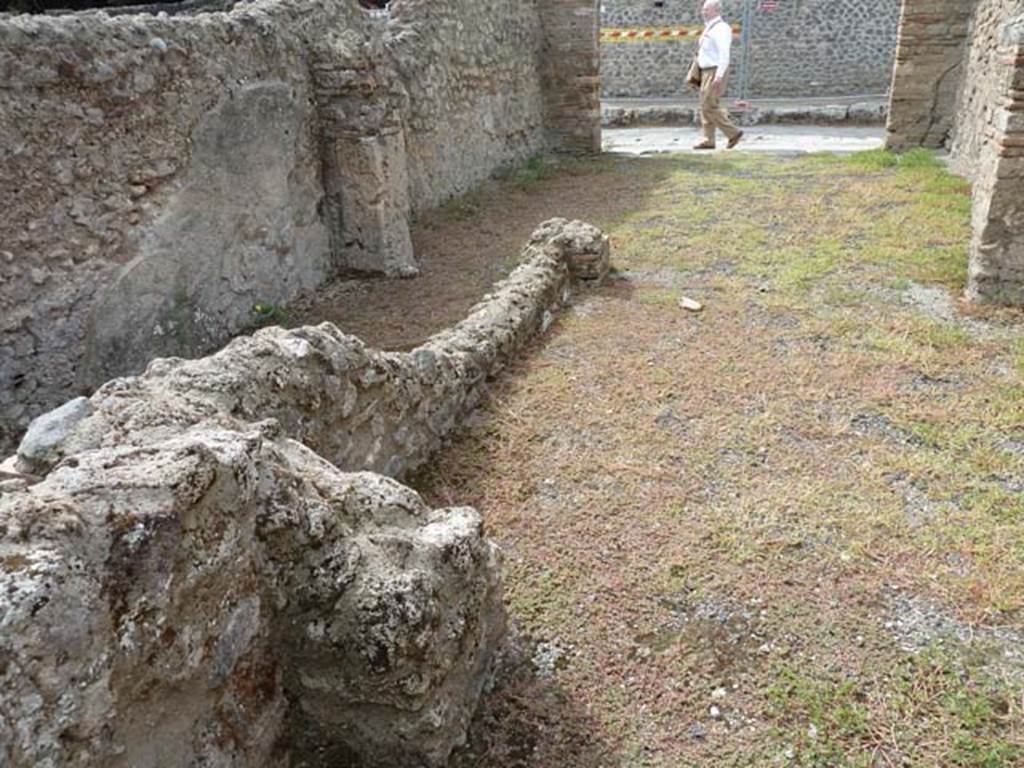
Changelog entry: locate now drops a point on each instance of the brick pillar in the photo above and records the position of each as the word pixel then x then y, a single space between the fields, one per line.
pixel 571 67
pixel 997 248
pixel 930 57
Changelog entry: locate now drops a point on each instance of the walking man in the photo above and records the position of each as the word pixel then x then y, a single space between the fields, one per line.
pixel 713 60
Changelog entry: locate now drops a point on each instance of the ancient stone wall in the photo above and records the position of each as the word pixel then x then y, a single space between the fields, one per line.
pixel 472 72
pixel 928 72
pixel 796 48
pixel 188 584
pixel 958 84
pixel 161 176
pixel 997 248
pixel 982 84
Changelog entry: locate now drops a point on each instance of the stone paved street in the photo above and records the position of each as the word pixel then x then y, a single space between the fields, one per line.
pixel 779 139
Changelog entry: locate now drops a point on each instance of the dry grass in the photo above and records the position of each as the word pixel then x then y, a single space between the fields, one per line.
pixel 734 509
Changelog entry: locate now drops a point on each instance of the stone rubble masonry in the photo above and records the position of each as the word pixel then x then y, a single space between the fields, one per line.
pixel 162 175
pixel 159 176
pixel 802 49
pixel 958 84
pixel 997 249
pixel 189 584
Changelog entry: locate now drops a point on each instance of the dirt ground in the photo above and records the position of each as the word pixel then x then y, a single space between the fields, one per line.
pixel 464 248
pixel 787 530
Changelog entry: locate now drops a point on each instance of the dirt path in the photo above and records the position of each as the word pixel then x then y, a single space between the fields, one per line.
pixel 788 530
pixel 464 248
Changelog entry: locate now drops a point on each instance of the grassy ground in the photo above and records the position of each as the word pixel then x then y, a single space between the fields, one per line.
pixel 788 530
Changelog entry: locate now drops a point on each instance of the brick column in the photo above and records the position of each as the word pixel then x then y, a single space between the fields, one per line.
pixel 571 66
pixel 997 248
pixel 929 64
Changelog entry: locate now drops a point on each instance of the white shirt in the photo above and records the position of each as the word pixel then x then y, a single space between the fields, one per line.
pixel 714 46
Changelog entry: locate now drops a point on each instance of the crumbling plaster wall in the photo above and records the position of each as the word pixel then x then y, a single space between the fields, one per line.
pixel 188 584
pixel 471 71
pixel 161 176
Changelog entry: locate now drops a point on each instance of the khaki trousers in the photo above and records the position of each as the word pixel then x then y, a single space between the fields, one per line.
pixel 712 114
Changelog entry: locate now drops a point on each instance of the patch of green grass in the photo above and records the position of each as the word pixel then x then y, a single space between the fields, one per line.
pixel 531 173
pixel 872 160
pixel 927 710
pixel 1017 355
pixel 266 314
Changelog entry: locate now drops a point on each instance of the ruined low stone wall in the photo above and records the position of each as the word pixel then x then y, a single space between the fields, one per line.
pixel 616 114
pixel 808 48
pixel 190 584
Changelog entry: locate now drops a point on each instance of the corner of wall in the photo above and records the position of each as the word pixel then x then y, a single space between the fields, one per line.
pixel 572 79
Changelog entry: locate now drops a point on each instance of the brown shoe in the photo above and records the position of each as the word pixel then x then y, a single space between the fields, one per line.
pixel 705 145
pixel 734 140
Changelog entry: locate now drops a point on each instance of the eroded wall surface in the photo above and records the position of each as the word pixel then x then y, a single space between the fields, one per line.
pixel 808 48
pixel 472 72
pixel 983 85
pixel 162 176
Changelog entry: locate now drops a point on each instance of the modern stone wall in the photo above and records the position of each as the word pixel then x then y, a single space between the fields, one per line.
pixel 803 48
pixel 162 175
pixel 186 583
pixel 958 84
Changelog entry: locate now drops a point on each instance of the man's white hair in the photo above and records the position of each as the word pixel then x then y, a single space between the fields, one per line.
pixel 716 4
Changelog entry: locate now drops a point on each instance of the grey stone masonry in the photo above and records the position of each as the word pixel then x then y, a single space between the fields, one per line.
pixel 791 48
